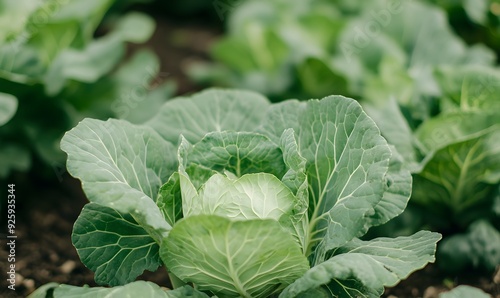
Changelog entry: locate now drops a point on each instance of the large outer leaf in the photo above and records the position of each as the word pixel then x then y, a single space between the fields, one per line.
pixel 113 245
pixel 252 258
pixel 347 162
pixel 208 111
pixel 395 128
pixel 464 292
pixel 372 264
pixel 135 289
pixel 397 194
pixel 121 166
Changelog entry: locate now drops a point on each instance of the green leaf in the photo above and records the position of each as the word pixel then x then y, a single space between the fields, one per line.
pixel 209 111
pixel 283 116
pixel 41 292
pixel 253 196
pixel 471 87
pixel 394 128
pixel 13 157
pixel 14 15
pixel 170 195
pixel 229 51
pixel 88 12
pixel 373 264
pixel 446 129
pixel 52 39
pixel 319 79
pixel 233 258
pixel 20 64
pixel 87 65
pixel 113 245
pixel 496 203
pixel 239 152
pixel 477 11
pixel 169 199
pixel 457 180
pixel 132 163
pixel 8 107
pixel 351 288
pixel 397 194
pixel 295 178
pixel 347 161
pixel 392 80
pixel 138 98
pixel 316 293
pixel 135 27
pixel 464 292
pixel 134 289
pixel 479 248
pixel 446 47
pixel 186 291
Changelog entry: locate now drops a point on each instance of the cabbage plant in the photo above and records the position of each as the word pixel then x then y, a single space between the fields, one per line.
pixel 454 156
pixel 57 68
pixel 238 197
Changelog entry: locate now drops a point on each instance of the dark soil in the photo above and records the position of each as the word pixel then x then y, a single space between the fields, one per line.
pixel 431 281
pixel 177 46
pixel 44 252
pixel 46 211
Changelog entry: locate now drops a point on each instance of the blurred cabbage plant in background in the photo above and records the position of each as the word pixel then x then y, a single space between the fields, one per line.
pixel 56 67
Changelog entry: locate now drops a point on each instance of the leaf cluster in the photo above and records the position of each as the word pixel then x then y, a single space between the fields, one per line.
pixel 56 68
pixel 238 197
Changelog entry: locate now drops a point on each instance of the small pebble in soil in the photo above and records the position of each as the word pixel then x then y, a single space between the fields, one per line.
pixel 431 292
pixel 19 279
pixel 496 278
pixel 44 273
pixel 21 264
pixel 68 267
pixel 415 292
pixel 29 284
pixel 53 257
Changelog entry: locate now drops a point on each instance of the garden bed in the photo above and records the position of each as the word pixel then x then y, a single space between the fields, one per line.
pixel 45 220
pixel 45 252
